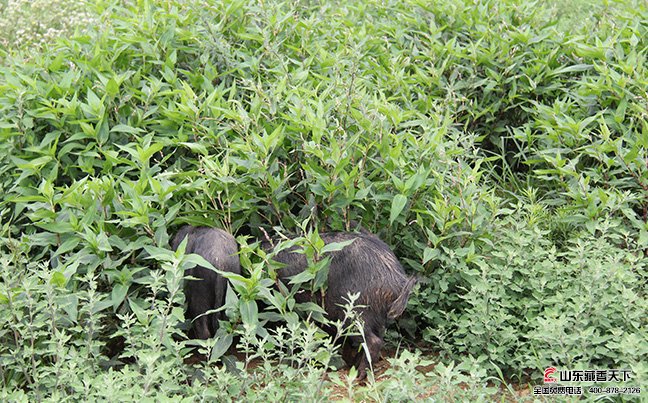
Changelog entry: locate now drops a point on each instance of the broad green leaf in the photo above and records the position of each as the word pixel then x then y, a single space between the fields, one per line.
pixel 336 246
pixel 140 313
pixel 58 279
pixel 70 304
pixel 398 203
pixel 429 254
pixel 196 147
pixel 101 305
pixel 125 129
pixel 67 246
pixel 118 294
pixel 223 344
pixel 249 312
pixel 302 277
pixel 572 68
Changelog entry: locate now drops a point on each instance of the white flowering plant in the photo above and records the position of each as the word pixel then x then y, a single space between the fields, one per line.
pixel 32 23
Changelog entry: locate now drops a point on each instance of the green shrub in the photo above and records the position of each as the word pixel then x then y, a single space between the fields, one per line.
pixel 499 150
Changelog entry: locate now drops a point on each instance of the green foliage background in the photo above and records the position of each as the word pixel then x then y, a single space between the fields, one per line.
pixel 499 147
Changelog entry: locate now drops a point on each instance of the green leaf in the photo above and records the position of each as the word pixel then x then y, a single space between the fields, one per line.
pixel 196 147
pixel 140 313
pixel 147 153
pixel 118 294
pixel 249 312
pixel 67 246
pixel 631 155
pixel 302 277
pixel 101 305
pixel 223 344
pixel 198 260
pixel 70 304
pixel 58 279
pixel 571 69
pixel 311 307
pixel 162 254
pixel 429 254
pixel 103 244
pixel 336 246
pixel 94 101
pixel 112 87
pixel 57 227
pixel 397 206
pixel 125 129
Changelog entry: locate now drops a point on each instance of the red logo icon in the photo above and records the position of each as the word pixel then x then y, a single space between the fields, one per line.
pixel 547 375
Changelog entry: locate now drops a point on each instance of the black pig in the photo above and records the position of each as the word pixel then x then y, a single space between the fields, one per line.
pixel 366 266
pixel 208 292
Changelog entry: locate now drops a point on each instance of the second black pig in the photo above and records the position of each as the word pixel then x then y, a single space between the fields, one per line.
pixel 366 266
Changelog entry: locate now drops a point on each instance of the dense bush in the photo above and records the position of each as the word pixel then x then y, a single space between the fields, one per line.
pixel 498 149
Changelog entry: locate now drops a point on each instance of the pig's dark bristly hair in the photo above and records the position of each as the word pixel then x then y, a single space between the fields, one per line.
pixel 366 266
pixel 207 292
pixel 398 306
pixel 180 236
